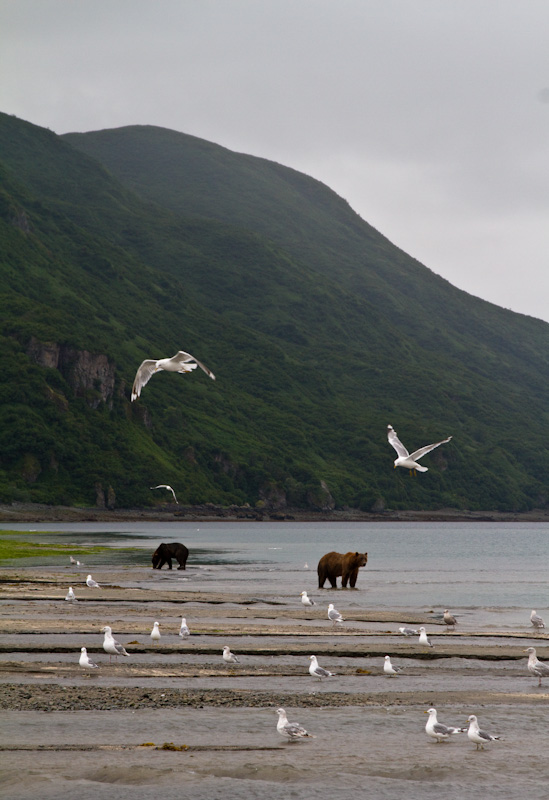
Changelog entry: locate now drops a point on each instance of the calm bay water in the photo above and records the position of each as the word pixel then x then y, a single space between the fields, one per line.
pixel 478 568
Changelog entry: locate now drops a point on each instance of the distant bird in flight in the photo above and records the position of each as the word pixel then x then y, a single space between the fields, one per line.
pixel 169 488
pixel 406 459
pixel 181 362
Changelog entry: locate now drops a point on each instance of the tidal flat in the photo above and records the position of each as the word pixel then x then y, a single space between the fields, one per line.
pixel 173 720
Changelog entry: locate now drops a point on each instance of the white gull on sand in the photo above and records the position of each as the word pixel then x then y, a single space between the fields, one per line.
pixel 181 362
pixel 91 583
pixel 317 671
pixel 536 620
pixel 228 657
pixel 71 597
pixel 475 735
pixel 408 631
pixel 536 667
pixel 423 640
pixel 293 730
pixel 110 645
pixel 334 615
pixel 307 600
pixel 155 633
pixel 389 669
pixel 184 631
pixel 406 459
pixel 85 661
pixel 436 730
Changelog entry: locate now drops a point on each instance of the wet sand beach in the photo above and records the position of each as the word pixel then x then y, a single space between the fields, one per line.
pixel 174 720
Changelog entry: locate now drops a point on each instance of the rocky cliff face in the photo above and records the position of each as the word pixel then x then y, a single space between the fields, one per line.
pixel 89 375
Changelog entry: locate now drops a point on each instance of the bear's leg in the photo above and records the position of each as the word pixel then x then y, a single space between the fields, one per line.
pixel 169 563
pixel 333 581
pixel 353 577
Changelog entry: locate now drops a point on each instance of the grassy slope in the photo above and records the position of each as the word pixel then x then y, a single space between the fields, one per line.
pixel 310 369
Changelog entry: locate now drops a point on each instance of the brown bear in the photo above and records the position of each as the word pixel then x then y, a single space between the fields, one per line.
pixel 333 564
pixel 165 552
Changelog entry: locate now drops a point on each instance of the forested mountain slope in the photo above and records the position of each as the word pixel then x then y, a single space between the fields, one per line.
pixel 319 330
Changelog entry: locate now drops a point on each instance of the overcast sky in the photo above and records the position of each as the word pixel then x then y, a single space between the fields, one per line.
pixel 431 117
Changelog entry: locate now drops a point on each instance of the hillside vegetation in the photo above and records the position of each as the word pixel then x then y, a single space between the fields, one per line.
pixel 122 245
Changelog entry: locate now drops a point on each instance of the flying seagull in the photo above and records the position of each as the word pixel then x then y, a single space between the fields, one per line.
pixel 91 583
pixel 110 645
pixel 536 667
pixel 85 661
pixel 318 671
pixel 406 459
pixel 181 362
pixel 293 730
pixel 389 669
pixel 436 730
pixel 169 488
pixel 536 620
pixel 480 738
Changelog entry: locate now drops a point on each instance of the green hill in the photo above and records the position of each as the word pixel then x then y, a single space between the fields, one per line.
pixel 129 244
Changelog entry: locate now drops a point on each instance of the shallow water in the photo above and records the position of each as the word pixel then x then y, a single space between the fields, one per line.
pixel 492 573
pixel 489 574
pixel 369 752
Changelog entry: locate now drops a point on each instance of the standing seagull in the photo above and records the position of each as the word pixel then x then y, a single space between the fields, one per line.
pixel 293 730
pixel 71 597
pixel 538 668
pixel 408 631
pixel 449 619
pixel 334 614
pixel 423 640
pixel 406 459
pixel 155 633
pixel 536 620
pixel 307 600
pixel 389 669
pixel 169 488
pixel 110 645
pixel 73 560
pixel 181 362
pixel 84 660
pixel 91 583
pixel 317 671
pixel 184 632
pixel 436 730
pixel 480 738
pixel 228 657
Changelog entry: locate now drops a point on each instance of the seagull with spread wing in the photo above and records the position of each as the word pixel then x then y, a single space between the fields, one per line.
pixel 406 459
pixel 168 488
pixel 180 362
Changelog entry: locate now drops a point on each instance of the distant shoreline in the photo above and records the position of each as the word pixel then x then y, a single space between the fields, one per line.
pixel 31 512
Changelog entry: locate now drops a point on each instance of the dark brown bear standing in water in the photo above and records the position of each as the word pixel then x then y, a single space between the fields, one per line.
pixel 165 552
pixel 333 564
